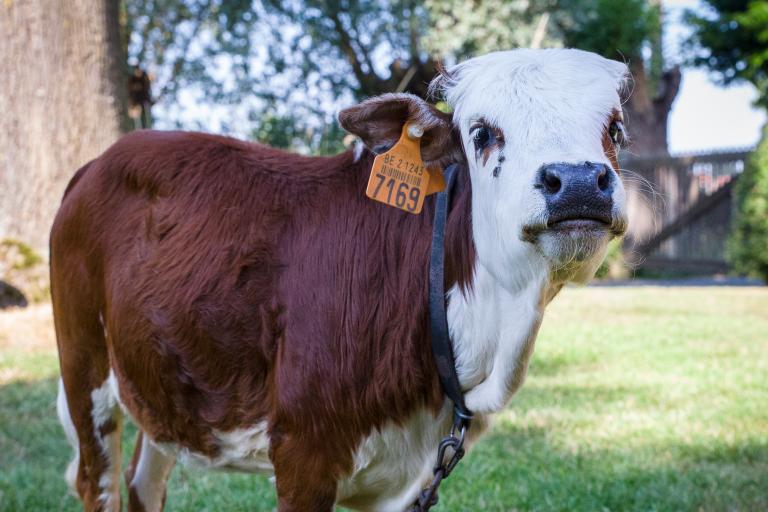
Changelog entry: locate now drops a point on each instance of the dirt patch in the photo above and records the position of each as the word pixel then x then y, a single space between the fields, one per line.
pixel 30 329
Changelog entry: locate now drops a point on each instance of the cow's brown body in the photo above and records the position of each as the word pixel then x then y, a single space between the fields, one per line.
pixel 227 283
pixel 251 309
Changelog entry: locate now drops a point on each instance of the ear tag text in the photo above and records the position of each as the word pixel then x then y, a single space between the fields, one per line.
pixel 399 177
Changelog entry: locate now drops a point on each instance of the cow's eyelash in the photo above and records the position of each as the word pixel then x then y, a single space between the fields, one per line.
pixel 617 133
pixel 483 135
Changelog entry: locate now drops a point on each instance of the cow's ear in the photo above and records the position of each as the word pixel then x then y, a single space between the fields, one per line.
pixel 379 121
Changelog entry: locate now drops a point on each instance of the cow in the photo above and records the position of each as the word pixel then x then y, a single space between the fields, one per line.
pixel 251 309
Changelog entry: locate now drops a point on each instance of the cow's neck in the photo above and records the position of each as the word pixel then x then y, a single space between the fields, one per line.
pixel 493 327
pixel 493 331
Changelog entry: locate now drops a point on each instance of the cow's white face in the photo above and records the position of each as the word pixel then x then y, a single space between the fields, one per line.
pixel 538 130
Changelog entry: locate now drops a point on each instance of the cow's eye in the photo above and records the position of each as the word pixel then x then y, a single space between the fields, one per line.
pixel 483 137
pixel 617 133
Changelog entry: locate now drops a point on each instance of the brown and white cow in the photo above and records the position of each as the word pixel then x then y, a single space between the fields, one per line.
pixel 251 309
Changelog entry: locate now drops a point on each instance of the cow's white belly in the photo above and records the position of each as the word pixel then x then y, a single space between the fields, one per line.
pixel 391 465
pixel 243 449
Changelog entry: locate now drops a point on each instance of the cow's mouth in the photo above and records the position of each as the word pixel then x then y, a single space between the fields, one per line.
pixel 583 225
pixel 579 224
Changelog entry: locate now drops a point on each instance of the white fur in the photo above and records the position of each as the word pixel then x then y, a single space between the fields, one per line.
pixel 394 463
pixel 114 388
pixel 109 482
pixel 151 475
pixel 491 328
pixel 104 409
pixel 244 449
pixel 62 409
pixel 357 150
pixel 552 106
pixel 104 402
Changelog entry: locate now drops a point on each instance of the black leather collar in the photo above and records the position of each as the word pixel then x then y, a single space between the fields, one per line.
pixel 442 348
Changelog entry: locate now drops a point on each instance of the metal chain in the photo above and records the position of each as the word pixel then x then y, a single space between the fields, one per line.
pixel 428 497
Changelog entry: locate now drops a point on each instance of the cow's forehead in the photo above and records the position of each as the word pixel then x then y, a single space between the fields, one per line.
pixel 542 86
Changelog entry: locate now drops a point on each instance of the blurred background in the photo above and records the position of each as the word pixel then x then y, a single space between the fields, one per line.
pixel 652 398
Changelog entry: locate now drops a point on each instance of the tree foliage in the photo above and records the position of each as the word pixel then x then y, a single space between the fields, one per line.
pixel 364 47
pixel 462 28
pixel 748 244
pixel 731 39
pixel 321 53
pixel 273 60
pixel 622 34
pixel 202 48
pixel 268 64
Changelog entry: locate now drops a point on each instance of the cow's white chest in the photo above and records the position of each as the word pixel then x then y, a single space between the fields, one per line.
pixel 394 463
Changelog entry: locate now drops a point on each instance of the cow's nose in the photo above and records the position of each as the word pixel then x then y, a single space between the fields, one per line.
pixel 577 191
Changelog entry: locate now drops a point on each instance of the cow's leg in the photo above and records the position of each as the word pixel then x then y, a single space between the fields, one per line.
pixel 147 477
pixel 70 475
pixel 131 469
pixel 87 403
pixel 93 424
pixel 303 477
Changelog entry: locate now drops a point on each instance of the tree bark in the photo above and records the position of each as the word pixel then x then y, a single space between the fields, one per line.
pixel 62 101
pixel 647 110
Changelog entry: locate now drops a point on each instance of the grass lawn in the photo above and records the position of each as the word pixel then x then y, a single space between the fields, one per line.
pixel 637 399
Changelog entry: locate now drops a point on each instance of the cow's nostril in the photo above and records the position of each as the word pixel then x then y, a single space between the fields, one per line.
pixel 603 181
pixel 552 182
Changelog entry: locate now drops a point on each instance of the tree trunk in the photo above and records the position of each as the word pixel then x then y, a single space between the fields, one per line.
pixel 62 102
pixel 647 110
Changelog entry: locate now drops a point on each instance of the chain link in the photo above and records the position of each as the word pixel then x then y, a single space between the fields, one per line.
pixel 428 497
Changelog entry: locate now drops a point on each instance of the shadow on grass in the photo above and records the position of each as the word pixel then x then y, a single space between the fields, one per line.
pixel 523 469
pixel 512 468
pixel 550 364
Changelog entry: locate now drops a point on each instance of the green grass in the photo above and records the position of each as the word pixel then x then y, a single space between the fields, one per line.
pixel 637 399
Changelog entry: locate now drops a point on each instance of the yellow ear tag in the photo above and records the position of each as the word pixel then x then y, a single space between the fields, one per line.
pixel 436 181
pixel 399 177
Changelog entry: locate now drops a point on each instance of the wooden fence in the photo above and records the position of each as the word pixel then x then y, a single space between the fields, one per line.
pixel 680 210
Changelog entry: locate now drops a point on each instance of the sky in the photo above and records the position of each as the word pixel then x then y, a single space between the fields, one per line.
pixel 706 116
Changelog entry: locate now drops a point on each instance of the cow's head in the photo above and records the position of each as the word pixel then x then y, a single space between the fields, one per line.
pixel 539 131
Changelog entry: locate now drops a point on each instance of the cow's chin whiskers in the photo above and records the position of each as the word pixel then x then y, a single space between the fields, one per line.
pixel 573 258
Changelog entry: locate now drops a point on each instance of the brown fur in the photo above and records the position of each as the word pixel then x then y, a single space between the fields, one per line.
pixel 378 121
pixel 240 283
